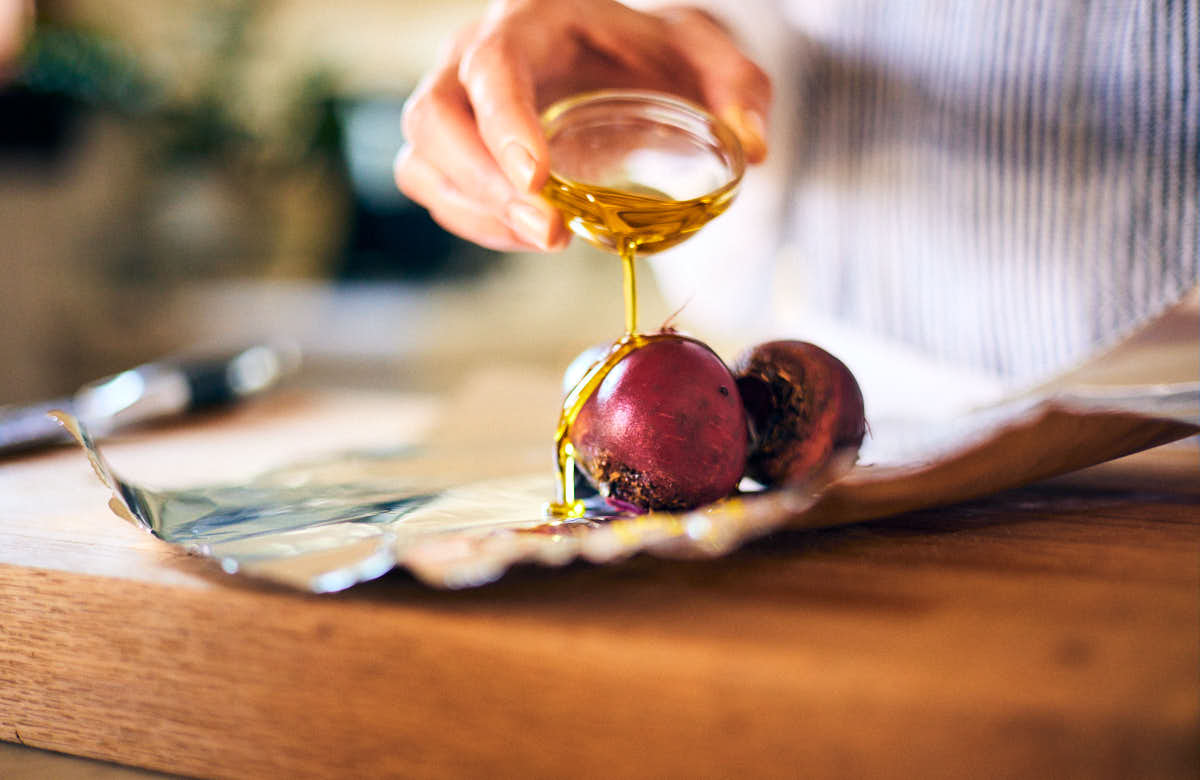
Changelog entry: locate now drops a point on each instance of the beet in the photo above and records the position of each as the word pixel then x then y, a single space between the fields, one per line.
pixel 803 405
pixel 665 429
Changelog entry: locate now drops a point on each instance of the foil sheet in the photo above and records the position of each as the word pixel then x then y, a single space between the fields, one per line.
pixel 326 525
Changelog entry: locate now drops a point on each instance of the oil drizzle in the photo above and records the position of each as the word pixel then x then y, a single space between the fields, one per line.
pixel 629 279
pixel 629 220
pixel 567 506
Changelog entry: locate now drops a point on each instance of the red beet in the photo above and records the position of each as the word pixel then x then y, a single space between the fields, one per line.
pixel 665 429
pixel 803 404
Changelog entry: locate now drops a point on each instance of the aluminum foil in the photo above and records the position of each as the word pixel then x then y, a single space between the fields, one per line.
pixel 326 525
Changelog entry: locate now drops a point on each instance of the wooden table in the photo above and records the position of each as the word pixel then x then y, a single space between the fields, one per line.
pixel 1050 631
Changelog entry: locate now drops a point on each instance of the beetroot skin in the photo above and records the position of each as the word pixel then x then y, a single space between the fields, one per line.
pixel 803 405
pixel 665 429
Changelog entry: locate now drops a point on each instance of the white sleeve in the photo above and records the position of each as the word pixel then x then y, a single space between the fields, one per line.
pixel 723 274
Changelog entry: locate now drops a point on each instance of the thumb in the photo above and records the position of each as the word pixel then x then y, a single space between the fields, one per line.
pixel 735 89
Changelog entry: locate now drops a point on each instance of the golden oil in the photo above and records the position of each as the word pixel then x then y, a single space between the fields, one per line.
pixel 648 219
pixel 632 220
pixel 628 221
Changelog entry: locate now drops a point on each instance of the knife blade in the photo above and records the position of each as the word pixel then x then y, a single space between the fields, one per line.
pixel 147 392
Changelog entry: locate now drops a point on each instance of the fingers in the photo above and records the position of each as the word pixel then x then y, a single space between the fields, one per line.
pixel 516 225
pixel 527 46
pixel 734 88
pixel 453 162
pixel 438 120
pixel 499 85
pixel 453 210
pixel 642 43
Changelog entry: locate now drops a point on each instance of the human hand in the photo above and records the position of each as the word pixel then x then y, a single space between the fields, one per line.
pixel 475 154
pixel 16 22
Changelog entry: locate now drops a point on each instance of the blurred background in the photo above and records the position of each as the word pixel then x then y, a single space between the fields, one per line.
pixel 204 174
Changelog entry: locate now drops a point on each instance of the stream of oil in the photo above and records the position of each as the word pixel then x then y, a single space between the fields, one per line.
pixel 629 220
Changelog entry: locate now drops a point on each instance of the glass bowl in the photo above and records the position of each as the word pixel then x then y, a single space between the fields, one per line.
pixel 658 149
pixel 619 138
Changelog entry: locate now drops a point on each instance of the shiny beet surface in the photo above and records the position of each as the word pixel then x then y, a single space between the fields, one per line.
pixel 803 405
pixel 665 429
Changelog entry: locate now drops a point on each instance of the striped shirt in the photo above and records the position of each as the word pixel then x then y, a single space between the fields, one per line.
pixel 1001 186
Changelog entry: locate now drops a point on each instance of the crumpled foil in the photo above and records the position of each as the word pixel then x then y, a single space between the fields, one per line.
pixel 324 526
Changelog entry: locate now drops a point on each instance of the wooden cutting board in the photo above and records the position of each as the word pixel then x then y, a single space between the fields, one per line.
pixel 1048 631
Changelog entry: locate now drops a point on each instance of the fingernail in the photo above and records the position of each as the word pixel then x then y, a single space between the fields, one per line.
pixel 751 130
pixel 519 166
pixel 531 223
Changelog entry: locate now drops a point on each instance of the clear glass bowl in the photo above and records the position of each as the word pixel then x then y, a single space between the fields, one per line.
pixel 658 149
pixel 622 138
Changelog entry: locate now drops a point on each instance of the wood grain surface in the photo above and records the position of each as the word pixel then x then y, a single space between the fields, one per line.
pixel 1050 631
